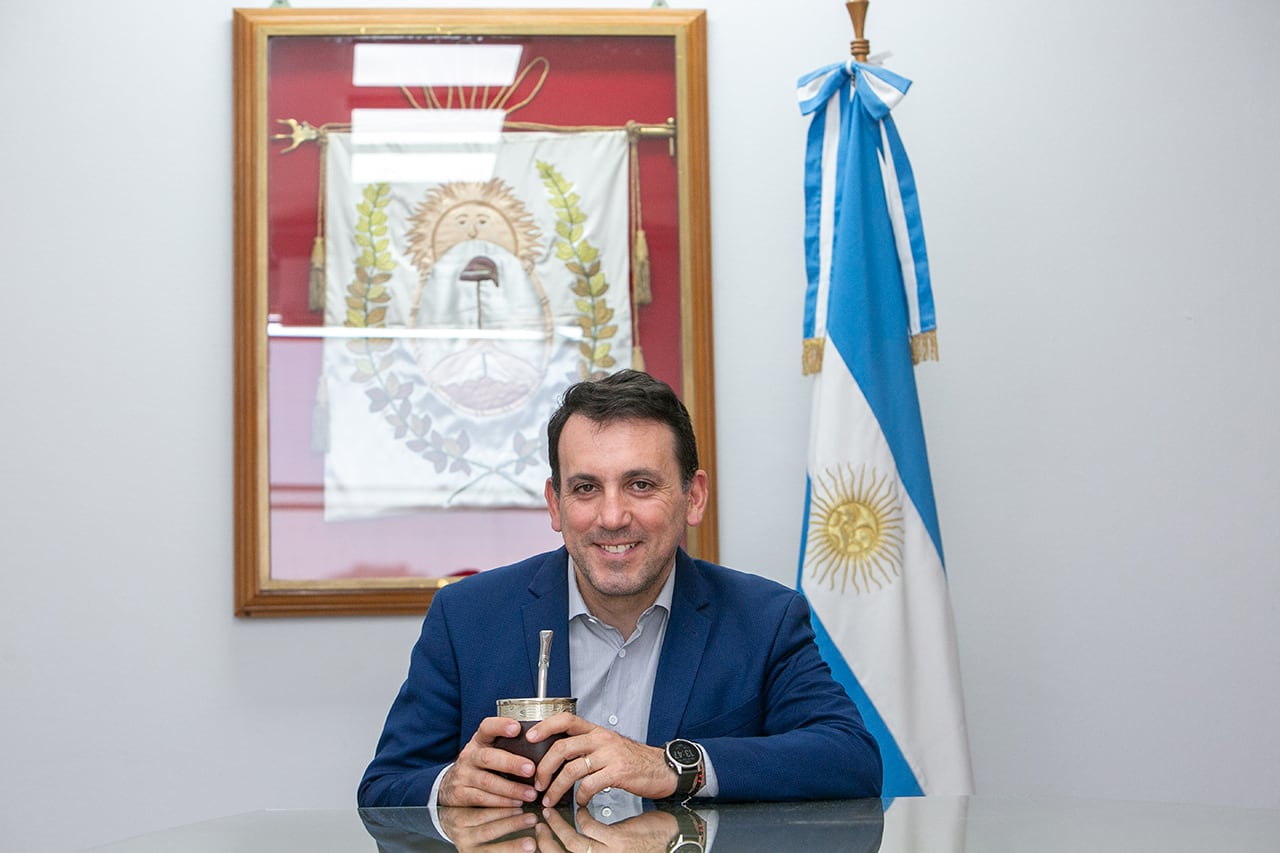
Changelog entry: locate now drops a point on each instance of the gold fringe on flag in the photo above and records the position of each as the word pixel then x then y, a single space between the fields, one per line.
pixel 924 346
pixel 811 356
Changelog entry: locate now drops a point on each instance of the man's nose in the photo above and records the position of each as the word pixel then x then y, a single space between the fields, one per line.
pixel 615 512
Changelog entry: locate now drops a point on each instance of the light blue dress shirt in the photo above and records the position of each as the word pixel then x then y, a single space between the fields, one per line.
pixel 612 679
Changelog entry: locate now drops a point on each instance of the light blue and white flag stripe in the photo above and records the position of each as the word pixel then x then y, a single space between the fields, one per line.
pixel 871 559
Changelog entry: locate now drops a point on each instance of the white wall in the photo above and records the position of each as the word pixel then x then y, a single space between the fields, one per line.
pixel 1102 202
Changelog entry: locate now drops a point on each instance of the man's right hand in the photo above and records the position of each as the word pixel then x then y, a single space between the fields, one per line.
pixel 474 778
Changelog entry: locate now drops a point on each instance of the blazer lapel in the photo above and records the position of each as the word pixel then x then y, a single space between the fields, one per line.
pixel 688 629
pixel 549 608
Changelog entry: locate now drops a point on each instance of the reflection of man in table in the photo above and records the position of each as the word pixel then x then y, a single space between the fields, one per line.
pixel 692 680
pixel 852 826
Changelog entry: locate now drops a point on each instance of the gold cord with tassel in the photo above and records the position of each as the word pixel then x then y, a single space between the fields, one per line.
pixel 641 285
pixel 315 283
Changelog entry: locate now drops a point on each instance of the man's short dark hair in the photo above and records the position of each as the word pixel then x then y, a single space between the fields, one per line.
pixel 627 395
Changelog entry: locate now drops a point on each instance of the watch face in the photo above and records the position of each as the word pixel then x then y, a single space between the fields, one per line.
pixel 684 752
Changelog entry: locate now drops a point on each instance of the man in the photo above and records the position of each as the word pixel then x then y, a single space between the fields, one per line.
pixel 691 679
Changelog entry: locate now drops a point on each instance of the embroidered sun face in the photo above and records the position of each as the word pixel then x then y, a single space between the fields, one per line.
pixel 855 529
pixel 471 210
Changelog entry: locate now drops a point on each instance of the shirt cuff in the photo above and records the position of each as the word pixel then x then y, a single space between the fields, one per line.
pixel 434 803
pixel 711 784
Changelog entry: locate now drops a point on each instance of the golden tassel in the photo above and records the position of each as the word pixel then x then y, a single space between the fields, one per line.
pixel 641 288
pixel 924 346
pixel 811 356
pixel 637 358
pixel 315 285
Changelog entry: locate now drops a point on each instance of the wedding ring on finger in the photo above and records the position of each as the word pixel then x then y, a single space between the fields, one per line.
pixel 587 760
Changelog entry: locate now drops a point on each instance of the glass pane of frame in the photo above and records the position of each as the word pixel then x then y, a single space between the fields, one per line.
pixel 443 218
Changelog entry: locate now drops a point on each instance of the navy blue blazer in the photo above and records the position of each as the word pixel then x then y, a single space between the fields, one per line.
pixel 739 673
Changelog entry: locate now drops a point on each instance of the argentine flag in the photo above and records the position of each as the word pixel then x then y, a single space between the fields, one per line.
pixel 871 556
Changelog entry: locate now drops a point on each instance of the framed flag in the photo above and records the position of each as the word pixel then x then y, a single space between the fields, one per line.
pixel 443 219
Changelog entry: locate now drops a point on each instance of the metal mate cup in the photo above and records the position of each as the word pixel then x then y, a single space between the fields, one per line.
pixel 529 712
pixel 535 709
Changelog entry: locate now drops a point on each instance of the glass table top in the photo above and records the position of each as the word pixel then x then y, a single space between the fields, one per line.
pixel 908 825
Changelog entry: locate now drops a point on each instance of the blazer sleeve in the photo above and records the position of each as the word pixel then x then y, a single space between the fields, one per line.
pixel 422 733
pixel 811 742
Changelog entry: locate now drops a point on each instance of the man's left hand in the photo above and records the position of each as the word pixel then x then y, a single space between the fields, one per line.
pixel 597 758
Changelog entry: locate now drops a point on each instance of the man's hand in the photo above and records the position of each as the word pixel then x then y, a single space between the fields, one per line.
pixel 597 758
pixel 492 830
pixel 473 779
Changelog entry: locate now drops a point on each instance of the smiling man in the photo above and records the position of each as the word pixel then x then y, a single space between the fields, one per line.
pixel 691 679
pixel 621 502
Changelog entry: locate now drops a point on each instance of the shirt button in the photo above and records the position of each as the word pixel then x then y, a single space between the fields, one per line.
pixel 622 653
pixel 606 811
pixel 613 719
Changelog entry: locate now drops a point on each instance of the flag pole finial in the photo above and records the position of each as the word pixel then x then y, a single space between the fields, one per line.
pixel 859 47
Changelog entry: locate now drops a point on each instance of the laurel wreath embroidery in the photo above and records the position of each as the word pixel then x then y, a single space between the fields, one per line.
pixel 589 286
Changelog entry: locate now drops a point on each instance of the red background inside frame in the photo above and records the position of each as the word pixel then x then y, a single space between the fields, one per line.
pixel 593 80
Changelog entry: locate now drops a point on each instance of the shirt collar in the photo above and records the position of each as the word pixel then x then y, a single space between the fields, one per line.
pixel 578 606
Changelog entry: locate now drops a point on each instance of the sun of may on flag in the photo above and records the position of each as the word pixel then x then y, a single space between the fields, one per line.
pixel 871 562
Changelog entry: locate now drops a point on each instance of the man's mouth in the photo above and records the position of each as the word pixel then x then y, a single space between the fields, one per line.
pixel 617 549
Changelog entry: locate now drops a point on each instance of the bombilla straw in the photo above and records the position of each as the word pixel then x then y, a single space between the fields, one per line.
pixel 544 661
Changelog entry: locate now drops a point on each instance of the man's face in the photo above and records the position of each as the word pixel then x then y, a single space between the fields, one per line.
pixel 621 508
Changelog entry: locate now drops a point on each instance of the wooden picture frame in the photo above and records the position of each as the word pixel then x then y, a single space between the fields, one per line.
pixel 360 484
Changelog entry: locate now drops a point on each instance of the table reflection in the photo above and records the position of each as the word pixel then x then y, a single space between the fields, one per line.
pixel 847 825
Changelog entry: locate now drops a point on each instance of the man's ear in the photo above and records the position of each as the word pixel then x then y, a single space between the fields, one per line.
pixel 697 492
pixel 553 505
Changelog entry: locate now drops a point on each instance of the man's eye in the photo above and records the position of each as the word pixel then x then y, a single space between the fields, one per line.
pixel 584 488
pixel 642 485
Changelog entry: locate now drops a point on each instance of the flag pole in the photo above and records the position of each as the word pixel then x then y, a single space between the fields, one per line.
pixel 859 47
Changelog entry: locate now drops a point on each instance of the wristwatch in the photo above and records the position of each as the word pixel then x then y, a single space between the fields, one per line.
pixel 685 757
